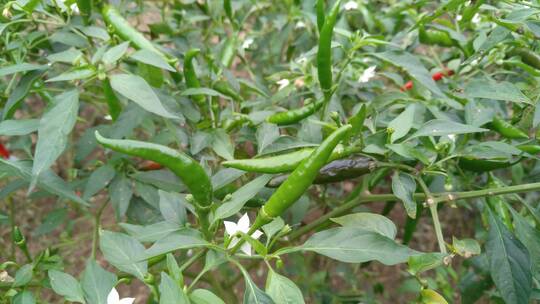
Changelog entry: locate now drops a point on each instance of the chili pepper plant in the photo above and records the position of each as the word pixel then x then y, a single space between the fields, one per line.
pixel 293 151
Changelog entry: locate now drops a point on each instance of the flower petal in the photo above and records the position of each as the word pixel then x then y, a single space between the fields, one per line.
pixel 230 227
pixel 126 301
pixel 257 234
pixel 246 248
pixel 243 223
pixel 113 297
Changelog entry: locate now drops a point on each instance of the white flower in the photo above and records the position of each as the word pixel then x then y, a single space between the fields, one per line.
pixel 242 226
pixel 351 5
pixel 247 43
pixel 107 117
pixel 476 18
pixel 283 83
pixel 367 74
pixel 299 25
pixel 459 17
pixel 114 298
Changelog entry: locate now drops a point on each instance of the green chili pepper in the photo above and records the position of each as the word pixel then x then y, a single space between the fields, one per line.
pixel 236 121
pixel 125 31
pixel 527 56
pixel 283 162
pixel 483 165
pixel 224 88
pixel 435 37
pixel 498 203
pixel 296 115
pixel 228 52
pixel 335 171
pixel 85 7
pixel 186 168
pixel 324 54
pixel 299 180
pixel 115 107
pixel 531 149
pixel 507 130
pixel 320 14
pixel 191 76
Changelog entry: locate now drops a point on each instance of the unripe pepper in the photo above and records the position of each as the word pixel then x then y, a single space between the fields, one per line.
pixel 299 180
pixel 507 130
pixel 324 54
pixel 183 166
pixel 296 115
pixel 191 77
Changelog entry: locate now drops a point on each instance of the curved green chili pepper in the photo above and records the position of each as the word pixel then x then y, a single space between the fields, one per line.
pixel 435 37
pixel 335 171
pixel 299 180
pixel 183 166
pixel 296 115
pixel 507 130
pixel 527 56
pixel 224 88
pixel 284 162
pixel 191 76
pixel 125 31
pixel 324 54
pixel 228 52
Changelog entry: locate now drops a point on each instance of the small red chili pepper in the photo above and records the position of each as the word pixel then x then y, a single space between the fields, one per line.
pixel 407 86
pixel 149 165
pixel 437 76
pixel 4 153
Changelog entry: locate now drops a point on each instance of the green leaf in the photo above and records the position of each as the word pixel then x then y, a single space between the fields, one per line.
pixel 252 293
pixel 203 296
pixel 266 135
pixel 98 180
pixel 120 192
pixel 484 88
pixel 21 67
pixel 357 245
pixel 75 74
pixel 413 66
pixel 183 239
pixel 20 92
pixel 241 196
pixel 66 286
pixel 439 127
pixel 170 292
pixel 222 145
pixel 136 89
pixel 282 290
pixel 71 56
pixel 509 263
pixel 150 58
pixel 425 261
pixel 24 297
pixel 466 247
pixel 530 237
pixel 53 219
pixel 153 232
pixel 18 127
pixel 53 132
pixel 122 251
pixel 432 297
pixel 404 186
pixel 173 207
pixel 23 275
pixel 203 91
pixel 112 55
pixel 97 283
pixel 47 181
pixel 369 221
pixel 402 124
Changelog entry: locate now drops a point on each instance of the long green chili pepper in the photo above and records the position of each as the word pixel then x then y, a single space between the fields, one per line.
pixel 224 88
pixel 299 180
pixel 296 115
pixel 228 52
pixel 191 76
pixel 527 56
pixel 125 31
pixel 435 37
pixel 324 54
pixel 498 203
pixel 320 14
pixel 284 162
pixel 186 168
pixel 531 149
pixel 335 171
pixel 484 165
pixel 507 130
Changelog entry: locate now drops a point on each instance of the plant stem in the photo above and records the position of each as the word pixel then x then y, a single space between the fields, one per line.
pixel 97 224
pixel 434 214
pixel 366 197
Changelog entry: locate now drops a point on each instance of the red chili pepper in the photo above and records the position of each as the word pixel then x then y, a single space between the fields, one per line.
pixel 149 165
pixel 407 86
pixel 437 76
pixel 4 153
